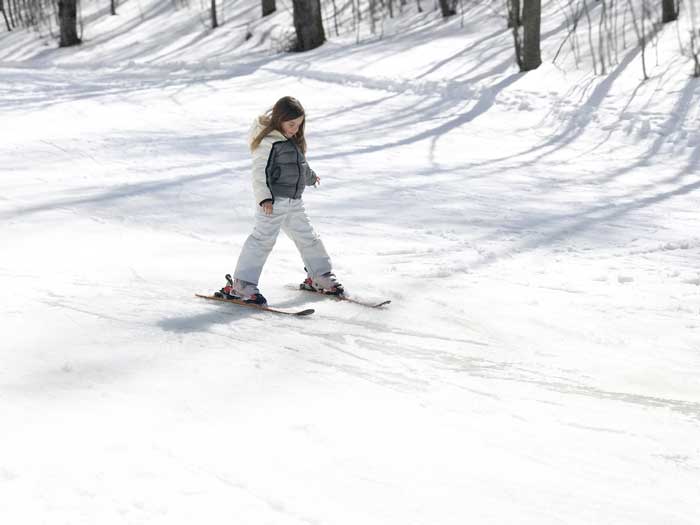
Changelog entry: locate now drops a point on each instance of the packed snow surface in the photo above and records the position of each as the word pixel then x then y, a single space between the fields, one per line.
pixel 537 234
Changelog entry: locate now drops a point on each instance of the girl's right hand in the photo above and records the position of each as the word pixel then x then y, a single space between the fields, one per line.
pixel 267 207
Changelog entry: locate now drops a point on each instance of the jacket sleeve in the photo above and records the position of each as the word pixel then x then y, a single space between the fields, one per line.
pixel 310 177
pixel 261 158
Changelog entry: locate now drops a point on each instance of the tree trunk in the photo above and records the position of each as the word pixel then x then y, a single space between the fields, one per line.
pixel 9 14
pixel 514 19
pixel 695 52
pixel 448 8
pixel 214 20
pixel 532 12
pixel 17 10
pixel 4 14
pixel 308 24
pixel 669 11
pixel 68 16
pixel 268 7
pixel 113 7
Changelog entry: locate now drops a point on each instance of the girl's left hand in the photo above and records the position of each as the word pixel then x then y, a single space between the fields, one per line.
pixel 318 181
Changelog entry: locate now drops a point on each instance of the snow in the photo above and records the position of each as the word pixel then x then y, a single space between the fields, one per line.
pixel 537 235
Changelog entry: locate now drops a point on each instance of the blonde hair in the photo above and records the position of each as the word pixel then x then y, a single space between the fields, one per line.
pixel 285 109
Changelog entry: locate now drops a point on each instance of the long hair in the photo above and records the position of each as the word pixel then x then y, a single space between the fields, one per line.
pixel 286 108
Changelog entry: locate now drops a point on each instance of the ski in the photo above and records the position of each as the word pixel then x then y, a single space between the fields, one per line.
pixel 341 297
pixel 308 311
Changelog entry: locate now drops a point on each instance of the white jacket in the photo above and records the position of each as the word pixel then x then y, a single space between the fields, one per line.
pixel 279 166
pixel 261 156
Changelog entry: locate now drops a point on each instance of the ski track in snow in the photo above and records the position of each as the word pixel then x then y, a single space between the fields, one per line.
pixel 537 235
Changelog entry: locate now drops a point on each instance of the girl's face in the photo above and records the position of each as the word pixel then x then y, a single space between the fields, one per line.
pixel 290 127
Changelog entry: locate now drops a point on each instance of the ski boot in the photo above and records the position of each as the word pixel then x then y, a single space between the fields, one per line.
pixel 326 284
pixel 241 291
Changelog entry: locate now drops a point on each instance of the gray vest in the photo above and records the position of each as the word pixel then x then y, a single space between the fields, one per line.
pixel 287 172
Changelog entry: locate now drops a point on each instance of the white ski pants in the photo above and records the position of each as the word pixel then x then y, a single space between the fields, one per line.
pixel 290 216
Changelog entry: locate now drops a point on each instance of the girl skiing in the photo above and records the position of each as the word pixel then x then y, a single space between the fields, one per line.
pixel 280 174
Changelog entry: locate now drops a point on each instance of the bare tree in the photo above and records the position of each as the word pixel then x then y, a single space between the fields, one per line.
pixel 12 12
pixel 641 36
pixel 695 38
pixel 527 46
pixel 532 15
pixel 514 19
pixel 214 19
pixel 4 14
pixel 669 10
pixel 68 17
pixel 308 24
pixel 335 18
pixel 28 13
pixel 268 7
pixel 448 8
pixel 9 10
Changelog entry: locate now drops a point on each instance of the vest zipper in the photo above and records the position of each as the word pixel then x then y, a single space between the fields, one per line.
pixel 296 189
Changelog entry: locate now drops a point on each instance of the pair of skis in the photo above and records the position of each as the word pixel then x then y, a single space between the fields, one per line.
pixel 308 311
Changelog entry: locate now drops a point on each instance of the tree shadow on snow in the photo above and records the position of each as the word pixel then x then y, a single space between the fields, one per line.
pixel 121 192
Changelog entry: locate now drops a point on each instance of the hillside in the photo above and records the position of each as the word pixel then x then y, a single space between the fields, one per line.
pixel 537 234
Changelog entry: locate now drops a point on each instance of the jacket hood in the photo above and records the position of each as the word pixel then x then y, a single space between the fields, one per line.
pixel 258 125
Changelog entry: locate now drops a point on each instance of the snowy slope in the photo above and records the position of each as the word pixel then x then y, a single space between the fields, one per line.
pixel 537 233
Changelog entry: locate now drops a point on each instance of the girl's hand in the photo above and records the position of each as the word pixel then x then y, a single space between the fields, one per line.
pixel 267 207
pixel 318 181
